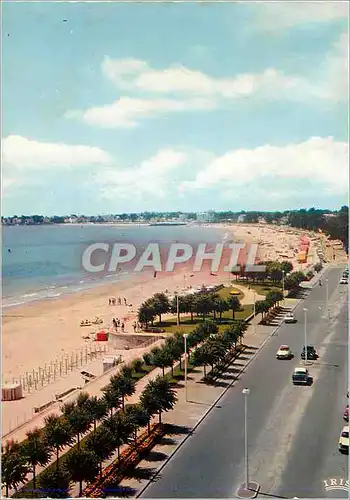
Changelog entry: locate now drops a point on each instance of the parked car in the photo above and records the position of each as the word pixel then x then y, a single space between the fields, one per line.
pixel 344 281
pixel 344 440
pixel 289 318
pixel 284 352
pixel 301 376
pixel 311 353
pixel 346 413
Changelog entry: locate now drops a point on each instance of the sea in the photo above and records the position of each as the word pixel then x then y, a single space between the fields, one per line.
pixel 44 262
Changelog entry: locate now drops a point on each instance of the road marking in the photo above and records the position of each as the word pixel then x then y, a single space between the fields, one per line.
pixel 274 444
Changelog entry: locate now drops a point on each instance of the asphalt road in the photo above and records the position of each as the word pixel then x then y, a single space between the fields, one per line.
pixel 293 430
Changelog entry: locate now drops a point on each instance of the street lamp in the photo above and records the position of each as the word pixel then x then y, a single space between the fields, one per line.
pixel 185 341
pixel 246 393
pixel 283 283
pixel 327 298
pixel 177 308
pixel 254 319
pixel 305 332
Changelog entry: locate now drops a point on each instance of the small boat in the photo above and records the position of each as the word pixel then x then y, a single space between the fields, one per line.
pixel 85 323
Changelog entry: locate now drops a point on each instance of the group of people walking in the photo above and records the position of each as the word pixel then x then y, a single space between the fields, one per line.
pixel 112 301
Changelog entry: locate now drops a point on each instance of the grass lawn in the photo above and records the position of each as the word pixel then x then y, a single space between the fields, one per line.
pixel 224 293
pixel 261 289
pixel 186 326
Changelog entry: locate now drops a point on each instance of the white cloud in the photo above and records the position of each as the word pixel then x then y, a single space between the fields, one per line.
pixel 319 160
pixel 276 17
pixel 336 66
pixel 22 153
pixel 149 179
pixel 135 75
pixel 126 111
pixel 192 90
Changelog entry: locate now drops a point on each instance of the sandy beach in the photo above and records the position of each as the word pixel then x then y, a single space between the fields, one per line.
pixel 36 333
pixel 40 332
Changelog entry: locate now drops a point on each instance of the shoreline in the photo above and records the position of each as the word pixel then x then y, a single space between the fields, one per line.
pixel 35 332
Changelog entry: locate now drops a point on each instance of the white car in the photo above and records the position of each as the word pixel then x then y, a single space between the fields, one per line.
pixel 289 318
pixel 344 281
pixel 284 352
pixel 344 440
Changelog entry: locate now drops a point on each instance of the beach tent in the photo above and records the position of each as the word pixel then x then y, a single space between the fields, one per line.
pixel 101 336
pixel 11 392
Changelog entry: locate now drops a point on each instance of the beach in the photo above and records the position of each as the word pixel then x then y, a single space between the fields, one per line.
pixel 41 332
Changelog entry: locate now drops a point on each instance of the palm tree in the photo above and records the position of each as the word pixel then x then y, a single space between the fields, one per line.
pixel 234 305
pixel 97 409
pixel 201 357
pixel 189 304
pixel 221 306
pixel 82 400
pixel 137 417
pixel 78 419
pixel 161 358
pixel 120 429
pixel 14 467
pixel 81 465
pixel 175 346
pixel 124 386
pixel 146 314
pixel 126 371
pixel 204 304
pixel 112 397
pixel 100 443
pixel 158 396
pixel 36 452
pixel 57 434
pixel 54 483
pixel 160 304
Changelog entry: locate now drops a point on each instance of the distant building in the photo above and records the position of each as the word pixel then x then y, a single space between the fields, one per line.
pixel 241 218
pixel 183 217
pixel 206 216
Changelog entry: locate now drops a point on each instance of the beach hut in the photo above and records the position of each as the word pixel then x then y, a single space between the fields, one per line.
pixel 101 336
pixel 110 362
pixel 12 392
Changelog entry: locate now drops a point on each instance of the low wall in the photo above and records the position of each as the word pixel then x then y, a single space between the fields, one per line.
pixel 134 341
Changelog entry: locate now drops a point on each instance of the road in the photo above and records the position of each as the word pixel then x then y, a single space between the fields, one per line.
pixel 293 431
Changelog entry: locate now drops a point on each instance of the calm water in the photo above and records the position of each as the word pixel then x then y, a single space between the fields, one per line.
pixel 45 261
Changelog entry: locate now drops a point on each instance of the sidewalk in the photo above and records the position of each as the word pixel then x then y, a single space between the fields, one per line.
pixel 186 416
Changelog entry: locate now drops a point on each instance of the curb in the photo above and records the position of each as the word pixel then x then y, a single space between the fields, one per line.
pixel 273 333
pixel 213 405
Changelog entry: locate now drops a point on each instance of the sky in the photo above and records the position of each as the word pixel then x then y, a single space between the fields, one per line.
pixel 127 107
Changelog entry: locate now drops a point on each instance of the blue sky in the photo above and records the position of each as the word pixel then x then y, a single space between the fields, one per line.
pixel 130 107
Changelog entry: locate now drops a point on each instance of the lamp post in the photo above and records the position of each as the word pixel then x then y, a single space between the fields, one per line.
pixel 177 308
pixel 283 283
pixel 185 342
pixel 254 319
pixel 246 393
pixel 305 332
pixel 327 299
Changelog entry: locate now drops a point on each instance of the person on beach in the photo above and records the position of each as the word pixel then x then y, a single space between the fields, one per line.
pixel 134 326
pixel 119 301
pixel 124 300
pixel 109 301
pixel 122 327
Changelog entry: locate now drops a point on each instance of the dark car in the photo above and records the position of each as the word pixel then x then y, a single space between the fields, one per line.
pixel 311 353
pixel 301 376
pixel 346 413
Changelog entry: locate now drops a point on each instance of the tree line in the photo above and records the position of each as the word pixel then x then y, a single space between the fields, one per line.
pixel 108 420
pixel 201 304
pixel 83 462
